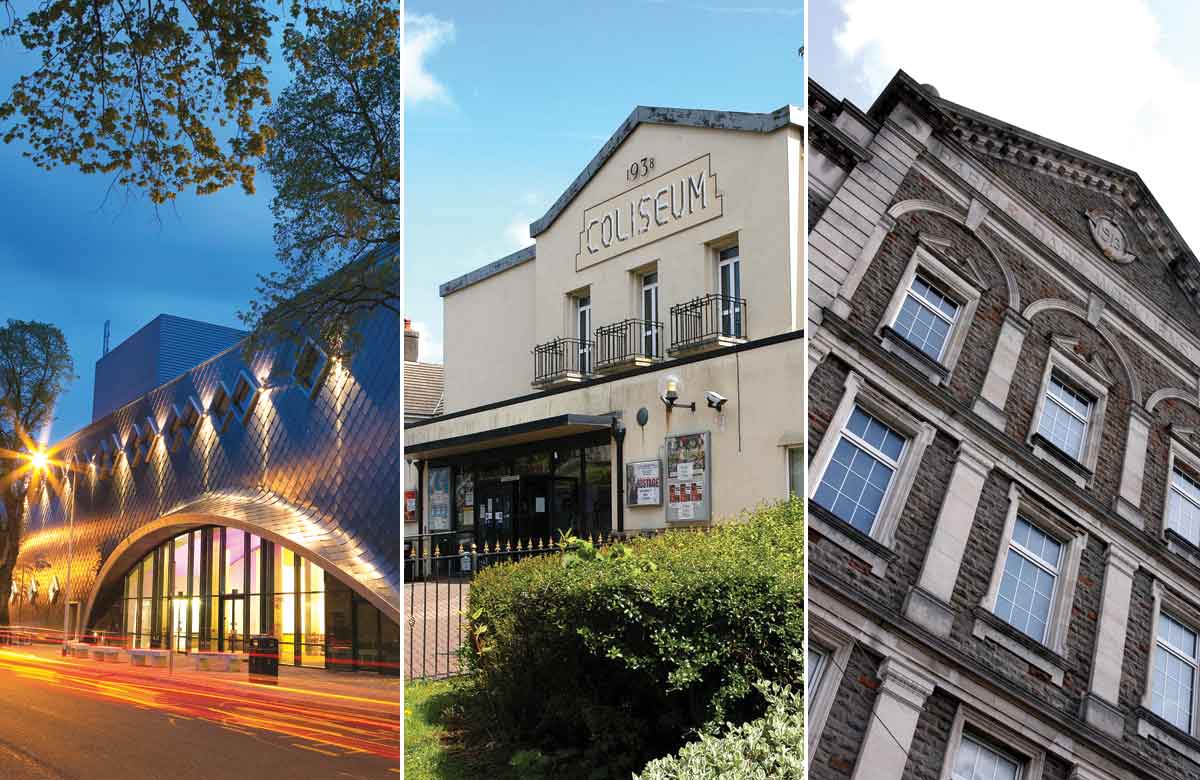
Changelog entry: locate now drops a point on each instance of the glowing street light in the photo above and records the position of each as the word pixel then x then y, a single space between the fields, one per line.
pixel 39 460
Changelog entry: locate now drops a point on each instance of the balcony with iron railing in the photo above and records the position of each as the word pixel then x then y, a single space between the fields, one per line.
pixel 628 344
pixel 708 322
pixel 563 361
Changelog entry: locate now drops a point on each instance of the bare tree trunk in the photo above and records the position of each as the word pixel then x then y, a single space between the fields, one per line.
pixel 10 547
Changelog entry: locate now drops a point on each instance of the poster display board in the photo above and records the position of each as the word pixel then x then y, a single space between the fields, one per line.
pixel 439 498
pixel 688 478
pixel 643 483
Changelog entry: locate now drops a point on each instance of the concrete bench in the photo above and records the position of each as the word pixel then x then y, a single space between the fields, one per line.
pixel 149 657
pixel 79 649
pixel 218 662
pixel 105 654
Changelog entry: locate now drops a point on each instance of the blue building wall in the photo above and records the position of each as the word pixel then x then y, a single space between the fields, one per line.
pixel 319 473
pixel 159 351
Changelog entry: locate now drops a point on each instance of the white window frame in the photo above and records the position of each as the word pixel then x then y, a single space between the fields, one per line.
pixel 1179 453
pixel 919 434
pixel 821 693
pixel 583 331
pixel 735 313
pixel 1183 611
pixel 1072 370
pixel 995 736
pixel 963 291
pixel 650 335
pixel 311 384
pixel 1074 542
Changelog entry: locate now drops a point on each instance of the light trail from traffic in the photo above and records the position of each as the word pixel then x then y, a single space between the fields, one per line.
pixel 319 719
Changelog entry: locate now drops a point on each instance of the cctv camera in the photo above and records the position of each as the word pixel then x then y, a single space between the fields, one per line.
pixel 715 399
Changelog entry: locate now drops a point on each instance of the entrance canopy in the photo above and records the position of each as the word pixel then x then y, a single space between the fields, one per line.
pixel 557 427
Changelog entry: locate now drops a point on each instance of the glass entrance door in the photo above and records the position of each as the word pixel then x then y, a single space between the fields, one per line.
pixel 233 624
pixel 495 503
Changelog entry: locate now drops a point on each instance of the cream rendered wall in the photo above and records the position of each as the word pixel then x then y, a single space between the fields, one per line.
pixel 759 178
pixel 488 338
pixel 764 387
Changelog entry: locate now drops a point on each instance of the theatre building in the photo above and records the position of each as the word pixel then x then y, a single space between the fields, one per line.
pixel 1004 454
pixel 639 366
pixel 212 499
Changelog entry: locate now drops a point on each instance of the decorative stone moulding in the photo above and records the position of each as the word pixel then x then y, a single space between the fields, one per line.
pixel 1109 237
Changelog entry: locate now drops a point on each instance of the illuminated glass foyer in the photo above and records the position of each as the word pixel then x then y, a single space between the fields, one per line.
pixel 211 588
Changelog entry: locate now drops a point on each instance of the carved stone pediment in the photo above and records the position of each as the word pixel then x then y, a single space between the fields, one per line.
pixel 1090 363
pixel 1109 237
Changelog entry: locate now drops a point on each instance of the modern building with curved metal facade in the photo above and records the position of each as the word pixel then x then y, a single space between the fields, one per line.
pixel 235 499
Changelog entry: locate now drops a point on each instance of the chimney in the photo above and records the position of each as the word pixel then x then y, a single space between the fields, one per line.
pixel 412 341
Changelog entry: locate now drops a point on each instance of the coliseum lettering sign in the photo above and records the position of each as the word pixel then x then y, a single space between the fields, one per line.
pixel 656 208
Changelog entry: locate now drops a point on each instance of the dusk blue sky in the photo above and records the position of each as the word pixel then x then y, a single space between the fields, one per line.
pixel 70 258
pixel 506 104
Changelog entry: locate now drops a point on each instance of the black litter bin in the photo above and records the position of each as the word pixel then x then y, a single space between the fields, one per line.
pixel 264 659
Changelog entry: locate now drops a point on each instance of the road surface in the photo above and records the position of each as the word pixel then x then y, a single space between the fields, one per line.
pixel 75 719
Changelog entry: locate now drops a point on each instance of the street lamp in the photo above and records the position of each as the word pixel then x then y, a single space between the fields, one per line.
pixel 39 460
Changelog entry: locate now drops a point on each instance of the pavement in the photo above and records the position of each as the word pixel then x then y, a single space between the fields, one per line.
pixel 76 719
pixel 436 626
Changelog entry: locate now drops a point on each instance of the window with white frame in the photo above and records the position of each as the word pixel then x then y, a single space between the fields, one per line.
pixel 863 470
pixel 1065 417
pixel 818 659
pixel 1033 583
pixel 1068 422
pixel 1173 685
pixel 650 346
pixel 1183 506
pixel 1031 572
pixel 729 280
pixel 859 474
pixel 926 322
pixel 926 317
pixel 976 760
pixel 583 331
pixel 795 456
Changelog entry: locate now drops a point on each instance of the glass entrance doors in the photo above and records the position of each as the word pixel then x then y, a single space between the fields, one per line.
pixel 233 624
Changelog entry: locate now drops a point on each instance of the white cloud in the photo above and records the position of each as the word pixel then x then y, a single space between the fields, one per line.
pixel 430 348
pixel 516 233
pixel 423 35
pixel 1093 75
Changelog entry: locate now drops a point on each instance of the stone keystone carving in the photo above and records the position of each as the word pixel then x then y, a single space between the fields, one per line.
pixel 1109 236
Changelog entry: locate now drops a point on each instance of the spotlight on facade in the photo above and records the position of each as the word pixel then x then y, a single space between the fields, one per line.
pixel 39 459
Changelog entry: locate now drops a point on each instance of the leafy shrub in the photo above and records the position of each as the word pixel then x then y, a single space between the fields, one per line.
pixel 613 657
pixel 770 748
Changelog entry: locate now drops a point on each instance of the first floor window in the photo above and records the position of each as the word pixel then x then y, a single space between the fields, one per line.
pixel 818 659
pixel 926 317
pixel 1065 416
pixel 1183 506
pixel 795 470
pixel 1030 573
pixel 977 761
pixel 1175 663
pixel 583 327
pixel 862 467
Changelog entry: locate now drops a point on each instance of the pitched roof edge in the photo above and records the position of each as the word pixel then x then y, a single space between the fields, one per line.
pixel 784 116
pixel 489 270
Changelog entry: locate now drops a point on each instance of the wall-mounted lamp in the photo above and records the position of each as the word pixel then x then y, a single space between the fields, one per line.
pixel 670 395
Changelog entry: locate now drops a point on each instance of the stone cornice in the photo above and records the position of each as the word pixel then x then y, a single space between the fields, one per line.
pixel 989 137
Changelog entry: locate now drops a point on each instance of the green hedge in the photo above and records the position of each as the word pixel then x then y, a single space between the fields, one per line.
pixel 770 748
pixel 618 656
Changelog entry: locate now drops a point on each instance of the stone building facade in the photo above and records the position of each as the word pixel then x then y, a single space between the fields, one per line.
pixel 1004 461
pixel 639 366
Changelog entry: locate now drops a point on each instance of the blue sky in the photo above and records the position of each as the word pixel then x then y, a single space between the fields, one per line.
pixel 72 258
pixel 1118 79
pixel 506 103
